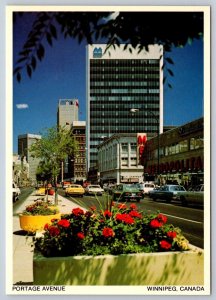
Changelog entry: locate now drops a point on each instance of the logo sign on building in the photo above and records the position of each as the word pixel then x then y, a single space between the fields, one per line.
pixel 97 53
pixel 141 141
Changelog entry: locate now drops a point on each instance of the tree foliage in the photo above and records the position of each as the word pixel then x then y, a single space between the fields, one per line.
pixel 56 144
pixel 170 29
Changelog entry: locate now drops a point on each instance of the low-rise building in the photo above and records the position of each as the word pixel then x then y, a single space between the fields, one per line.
pixel 181 155
pixel 118 160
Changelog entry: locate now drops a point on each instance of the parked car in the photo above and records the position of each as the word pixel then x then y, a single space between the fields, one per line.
pixel 194 196
pixel 94 189
pixel 167 192
pixel 145 187
pixel 15 191
pixel 151 193
pixel 127 192
pixel 75 190
pixel 41 191
pixel 65 184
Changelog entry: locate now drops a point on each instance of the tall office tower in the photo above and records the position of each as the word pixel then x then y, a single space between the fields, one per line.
pixel 78 163
pixel 68 111
pixel 24 142
pixel 124 93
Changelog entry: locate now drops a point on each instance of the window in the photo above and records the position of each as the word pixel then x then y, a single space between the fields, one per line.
pixel 124 161
pixel 124 148
pixel 196 143
pixel 133 161
pixel 133 147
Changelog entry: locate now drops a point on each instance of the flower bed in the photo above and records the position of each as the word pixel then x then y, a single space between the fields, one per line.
pixel 36 215
pixel 115 247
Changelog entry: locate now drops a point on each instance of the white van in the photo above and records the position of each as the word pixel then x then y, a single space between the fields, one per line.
pixel 146 187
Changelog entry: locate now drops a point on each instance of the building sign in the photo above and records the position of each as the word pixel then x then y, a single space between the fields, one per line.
pixel 184 165
pixel 141 141
pixel 97 53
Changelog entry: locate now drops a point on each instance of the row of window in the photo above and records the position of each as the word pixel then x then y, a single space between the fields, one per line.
pixel 143 99
pixel 123 91
pixel 125 83
pixel 129 76
pixel 123 70
pixel 113 62
pixel 179 147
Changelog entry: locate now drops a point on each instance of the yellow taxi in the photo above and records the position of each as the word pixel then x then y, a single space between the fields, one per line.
pixel 41 191
pixel 74 190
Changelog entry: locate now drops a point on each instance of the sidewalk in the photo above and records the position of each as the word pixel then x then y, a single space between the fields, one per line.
pixel 22 250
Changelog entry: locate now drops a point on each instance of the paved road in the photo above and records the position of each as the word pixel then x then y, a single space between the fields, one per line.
pixel 189 219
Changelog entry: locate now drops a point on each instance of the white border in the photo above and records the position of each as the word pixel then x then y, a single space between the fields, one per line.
pixel 8 140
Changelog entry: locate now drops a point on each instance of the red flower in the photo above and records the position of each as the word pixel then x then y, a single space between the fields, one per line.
pixel 171 234
pixel 77 211
pixel 133 206
pixel 46 226
pixel 162 218
pixel 80 235
pixel 64 223
pixel 135 214
pixel 54 231
pixel 125 218
pixel 107 213
pixel 108 232
pixel 155 223
pixel 122 206
pixel 165 245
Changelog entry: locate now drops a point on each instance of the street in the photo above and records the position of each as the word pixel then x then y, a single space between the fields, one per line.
pixel 189 219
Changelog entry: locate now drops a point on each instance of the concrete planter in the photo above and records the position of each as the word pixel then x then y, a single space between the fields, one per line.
pixel 164 268
pixel 36 223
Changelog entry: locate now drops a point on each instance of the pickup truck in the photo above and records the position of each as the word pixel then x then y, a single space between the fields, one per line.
pixel 194 196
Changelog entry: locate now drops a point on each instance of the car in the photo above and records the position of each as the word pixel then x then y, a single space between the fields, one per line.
pixel 41 191
pixel 127 192
pixel 65 184
pixel 194 196
pixel 167 192
pixel 145 187
pixel 15 192
pixel 151 193
pixel 94 189
pixel 75 190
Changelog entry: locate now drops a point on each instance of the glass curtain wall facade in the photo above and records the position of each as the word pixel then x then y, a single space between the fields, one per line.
pixel 118 83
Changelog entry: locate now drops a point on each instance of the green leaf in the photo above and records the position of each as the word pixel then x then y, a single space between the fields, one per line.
pixel 33 62
pixel 17 69
pixel 29 70
pixel 49 38
pixel 18 77
pixel 170 72
pixel 53 31
pixel 169 60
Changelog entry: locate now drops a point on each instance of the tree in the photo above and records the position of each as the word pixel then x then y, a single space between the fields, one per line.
pixel 56 144
pixel 170 29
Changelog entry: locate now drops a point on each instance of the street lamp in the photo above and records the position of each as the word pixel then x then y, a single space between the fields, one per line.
pixel 135 110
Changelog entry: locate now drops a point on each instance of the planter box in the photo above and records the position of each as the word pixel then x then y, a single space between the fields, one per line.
pixel 36 223
pixel 163 268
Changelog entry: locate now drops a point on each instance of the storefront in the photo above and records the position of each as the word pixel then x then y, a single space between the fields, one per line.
pixel 181 153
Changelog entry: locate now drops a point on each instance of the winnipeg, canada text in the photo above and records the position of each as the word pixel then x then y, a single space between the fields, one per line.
pixel 59 288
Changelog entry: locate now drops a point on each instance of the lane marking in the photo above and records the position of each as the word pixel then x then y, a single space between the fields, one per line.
pixel 184 219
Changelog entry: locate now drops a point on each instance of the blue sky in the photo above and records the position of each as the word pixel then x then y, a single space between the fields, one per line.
pixel 62 74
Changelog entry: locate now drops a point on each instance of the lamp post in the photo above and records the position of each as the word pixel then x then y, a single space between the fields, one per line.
pixel 135 110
